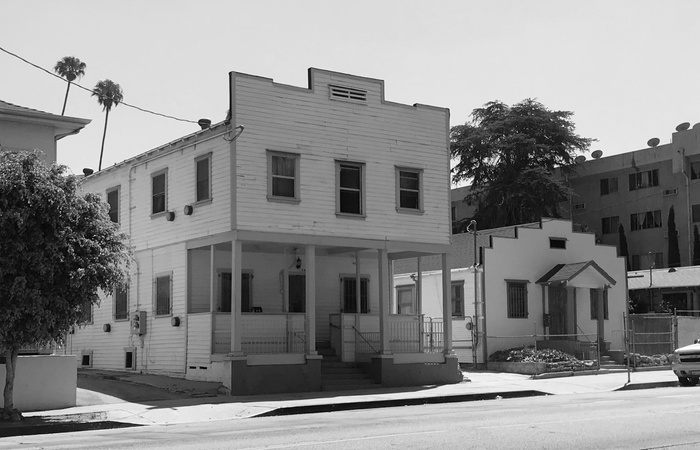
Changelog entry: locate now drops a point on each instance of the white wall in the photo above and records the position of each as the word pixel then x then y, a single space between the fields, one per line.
pixel 43 382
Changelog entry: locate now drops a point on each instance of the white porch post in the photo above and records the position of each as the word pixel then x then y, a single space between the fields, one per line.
pixel 212 281
pixel 384 283
pixel 358 284
pixel 447 304
pixel 310 316
pixel 419 287
pixel 236 266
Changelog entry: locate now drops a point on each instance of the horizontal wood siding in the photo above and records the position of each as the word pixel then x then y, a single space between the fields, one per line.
pixel 199 333
pixel 380 134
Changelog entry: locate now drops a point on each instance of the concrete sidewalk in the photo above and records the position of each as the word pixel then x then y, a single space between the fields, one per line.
pixel 200 401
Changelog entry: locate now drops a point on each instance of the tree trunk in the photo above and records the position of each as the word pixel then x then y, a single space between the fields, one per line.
pixel 65 100
pixel 104 134
pixel 10 369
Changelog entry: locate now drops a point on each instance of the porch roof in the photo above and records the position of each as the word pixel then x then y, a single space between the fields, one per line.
pixel 679 277
pixel 580 274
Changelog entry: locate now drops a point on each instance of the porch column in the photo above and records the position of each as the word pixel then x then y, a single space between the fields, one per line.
pixel 447 305
pixel 236 294
pixel 419 287
pixel 603 293
pixel 384 283
pixel 358 284
pixel 212 282
pixel 310 316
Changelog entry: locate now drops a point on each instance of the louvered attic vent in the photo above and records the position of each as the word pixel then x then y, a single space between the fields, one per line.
pixel 348 94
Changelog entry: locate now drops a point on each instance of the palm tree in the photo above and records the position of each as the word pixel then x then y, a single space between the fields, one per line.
pixel 108 94
pixel 69 68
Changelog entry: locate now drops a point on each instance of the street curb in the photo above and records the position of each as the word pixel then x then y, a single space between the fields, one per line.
pixel 372 404
pixel 652 385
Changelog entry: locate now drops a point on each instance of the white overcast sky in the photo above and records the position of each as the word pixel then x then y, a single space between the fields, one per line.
pixel 628 70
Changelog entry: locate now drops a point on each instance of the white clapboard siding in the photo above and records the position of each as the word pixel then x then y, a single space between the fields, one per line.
pixel 199 329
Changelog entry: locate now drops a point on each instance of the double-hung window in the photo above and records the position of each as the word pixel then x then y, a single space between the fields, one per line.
pixel 202 169
pixel 163 294
pixel 113 202
pixel 283 176
pixel 350 188
pixel 159 192
pixel 409 192
pixel 517 299
pixel 349 294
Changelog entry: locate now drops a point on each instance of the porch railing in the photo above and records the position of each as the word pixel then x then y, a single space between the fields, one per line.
pixel 262 333
pixel 407 334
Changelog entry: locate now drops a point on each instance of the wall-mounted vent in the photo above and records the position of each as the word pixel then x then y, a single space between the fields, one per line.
pixel 348 94
pixel 579 207
pixel 668 192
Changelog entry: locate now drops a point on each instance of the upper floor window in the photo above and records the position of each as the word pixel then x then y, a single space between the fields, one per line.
pixel 159 192
pixel 349 294
pixel 608 185
pixel 611 224
pixel 649 260
pixel 695 170
pixel 517 299
pixel 645 179
pixel 695 213
pixel 283 176
pixel 458 299
pixel 203 178
pixel 409 190
pixel 163 293
pixel 645 220
pixel 350 183
pixel 557 243
pixel 113 201
pixel 86 313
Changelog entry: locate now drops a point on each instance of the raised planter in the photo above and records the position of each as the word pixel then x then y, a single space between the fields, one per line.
pixel 527 368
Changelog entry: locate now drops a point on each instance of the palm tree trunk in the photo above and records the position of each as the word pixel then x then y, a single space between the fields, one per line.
pixel 104 134
pixel 65 100
pixel 10 370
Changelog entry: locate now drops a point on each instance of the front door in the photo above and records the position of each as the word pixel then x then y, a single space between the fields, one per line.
pixel 297 293
pixel 561 313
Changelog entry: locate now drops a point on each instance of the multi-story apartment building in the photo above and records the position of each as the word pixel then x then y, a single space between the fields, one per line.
pixel 265 242
pixel 636 190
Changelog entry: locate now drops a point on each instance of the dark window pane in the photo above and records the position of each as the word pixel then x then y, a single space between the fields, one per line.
pixel 350 202
pixel 409 199
pixel 350 177
pixel 283 187
pixel 162 295
pixel 283 166
pixel 158 193
pixel 409 180
pixel 120 304
pixel 203 179
pixel 113 200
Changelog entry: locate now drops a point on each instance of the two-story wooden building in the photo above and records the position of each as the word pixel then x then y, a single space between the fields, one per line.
pixel 265 242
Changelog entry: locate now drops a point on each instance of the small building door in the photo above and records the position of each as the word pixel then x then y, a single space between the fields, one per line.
pixel 297 293
pixel 561 313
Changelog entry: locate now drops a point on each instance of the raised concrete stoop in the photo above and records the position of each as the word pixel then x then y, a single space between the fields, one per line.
pixel 609 363
pixel 344 376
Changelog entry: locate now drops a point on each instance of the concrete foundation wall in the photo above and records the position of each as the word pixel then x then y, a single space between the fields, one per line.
pixel 273 379
pixel 43 382
pixel 389 374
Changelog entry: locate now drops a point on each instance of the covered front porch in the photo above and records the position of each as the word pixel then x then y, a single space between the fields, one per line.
pixel 262 307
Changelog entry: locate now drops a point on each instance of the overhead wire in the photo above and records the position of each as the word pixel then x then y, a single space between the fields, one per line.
pixel 91 91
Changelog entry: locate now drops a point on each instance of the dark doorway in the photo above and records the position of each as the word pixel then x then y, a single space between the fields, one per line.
pixel 297 293
pixel 561 313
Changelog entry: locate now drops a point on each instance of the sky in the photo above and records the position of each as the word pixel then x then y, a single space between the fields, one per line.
pixel 626 69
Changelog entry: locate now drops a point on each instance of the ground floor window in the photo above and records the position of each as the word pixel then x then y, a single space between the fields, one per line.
pixel 517 299
pixel 225 292
pixel 406 299
pixel 458 299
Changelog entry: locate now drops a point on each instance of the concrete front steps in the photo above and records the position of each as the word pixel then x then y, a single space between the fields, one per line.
pixel 344 376
pixel 606 362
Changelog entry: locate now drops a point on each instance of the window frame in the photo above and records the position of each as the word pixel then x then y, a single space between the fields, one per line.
pixel 459 284
pixel 154 175
pixel 412 289
pixel 638 221
pixel 512 311
pixel 399 190
pixel 608 184
pixel 364 303
pixel 296 157
pixel 115 300
pixel 339 165
pixel 118 191
pixel 636 179
pixel 157 311
pixel 206 157
pixel 87 316
pixel 694 170
pixel 557 243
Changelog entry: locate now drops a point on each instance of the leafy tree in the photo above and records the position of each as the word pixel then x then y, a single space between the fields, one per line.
pixel 623 245
pixel 510 154
pixel 58 247
pixel 69 68
pixel 674 253
pixel 696 246
pixel 108 94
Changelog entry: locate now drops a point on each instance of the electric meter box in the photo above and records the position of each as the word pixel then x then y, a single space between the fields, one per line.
pixel 138 323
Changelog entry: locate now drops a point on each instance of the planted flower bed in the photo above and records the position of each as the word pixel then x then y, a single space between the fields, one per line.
pixel 528 360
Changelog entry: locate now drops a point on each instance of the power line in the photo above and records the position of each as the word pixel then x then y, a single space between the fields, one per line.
pixel 91 91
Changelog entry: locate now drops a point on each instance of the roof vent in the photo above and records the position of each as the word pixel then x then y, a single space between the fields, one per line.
pixel 204 123
pixel 347 94
pixel 88 171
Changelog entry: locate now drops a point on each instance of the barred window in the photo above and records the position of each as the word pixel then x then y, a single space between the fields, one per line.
pixel 163 295
pixel 121 304
pixel 517 299
pixel 458 298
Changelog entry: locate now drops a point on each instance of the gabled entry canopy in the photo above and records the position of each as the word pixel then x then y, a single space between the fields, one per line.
pixel 587 274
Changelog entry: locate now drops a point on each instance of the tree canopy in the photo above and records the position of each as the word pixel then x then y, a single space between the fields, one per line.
pixel 108 94
pixel 70 68
pixel 510 154
pixel 58 248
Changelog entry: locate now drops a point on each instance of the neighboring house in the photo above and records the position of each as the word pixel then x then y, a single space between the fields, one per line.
pixel 29 129
pixel 635 189
pixel 256 252
pixel 665 290
pixel 537 284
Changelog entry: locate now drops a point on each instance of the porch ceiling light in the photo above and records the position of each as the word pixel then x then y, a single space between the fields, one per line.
pixel 298 263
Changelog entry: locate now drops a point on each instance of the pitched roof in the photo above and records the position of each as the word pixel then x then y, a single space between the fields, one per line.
pixel 677 277
pixel 64 125
pixel 566 273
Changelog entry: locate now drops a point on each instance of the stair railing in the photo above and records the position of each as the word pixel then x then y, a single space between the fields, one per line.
pixel 364 339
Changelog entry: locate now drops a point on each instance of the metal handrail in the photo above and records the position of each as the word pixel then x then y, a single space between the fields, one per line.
pixel 364 339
